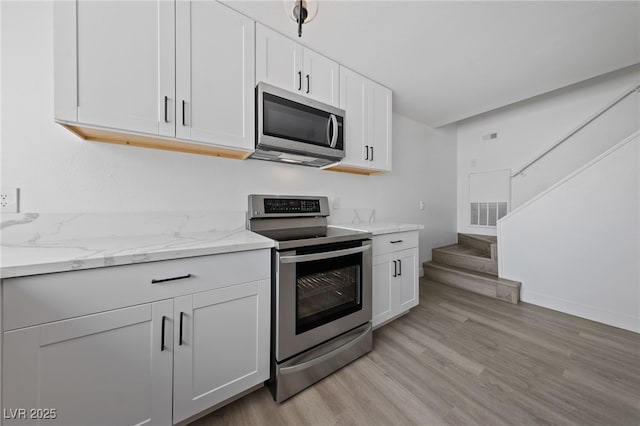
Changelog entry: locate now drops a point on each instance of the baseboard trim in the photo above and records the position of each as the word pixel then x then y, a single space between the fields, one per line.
pixel 625 322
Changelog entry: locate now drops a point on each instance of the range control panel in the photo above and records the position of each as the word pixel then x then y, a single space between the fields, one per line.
pixel 291 205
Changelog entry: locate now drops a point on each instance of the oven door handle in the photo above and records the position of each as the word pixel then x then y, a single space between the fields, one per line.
pixel 322 358
pixel 325 255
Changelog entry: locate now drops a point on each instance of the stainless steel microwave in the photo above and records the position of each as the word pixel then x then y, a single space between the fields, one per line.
pixel 294 129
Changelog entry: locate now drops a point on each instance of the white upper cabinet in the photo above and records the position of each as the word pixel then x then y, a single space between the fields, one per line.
pixel 278 60
pixel 321 78
pixel 367 124
pixel 123 54
pixel 282 62
pixel 176 69
pixel 353 99
pixel 379 139
pixel 215 65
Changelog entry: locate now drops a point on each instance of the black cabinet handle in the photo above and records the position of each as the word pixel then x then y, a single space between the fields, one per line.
pixel 395 241
pixel 395 268
pixel 399 267
pixel 299 80
pixel 183 107
pixel 308 84
pixel 163 280
pixel 164 318
pixel 371 154
pixel 166 99
pixel 366 147
pixel 181 321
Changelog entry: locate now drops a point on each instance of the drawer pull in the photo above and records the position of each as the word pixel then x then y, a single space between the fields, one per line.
pixel 163 280
pixel 395 241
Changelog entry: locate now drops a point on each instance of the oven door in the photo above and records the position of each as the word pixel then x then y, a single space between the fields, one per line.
pixel 321 292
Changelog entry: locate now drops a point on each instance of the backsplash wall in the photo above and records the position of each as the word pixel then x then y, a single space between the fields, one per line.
pixel 58 172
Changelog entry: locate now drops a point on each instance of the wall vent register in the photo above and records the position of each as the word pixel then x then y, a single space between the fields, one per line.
pixel 487 214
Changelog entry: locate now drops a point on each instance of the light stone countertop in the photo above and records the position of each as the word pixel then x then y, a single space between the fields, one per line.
pixel 379 228
pixel 39 244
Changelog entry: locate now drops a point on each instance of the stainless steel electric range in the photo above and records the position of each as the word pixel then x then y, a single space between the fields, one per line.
pixel 321 290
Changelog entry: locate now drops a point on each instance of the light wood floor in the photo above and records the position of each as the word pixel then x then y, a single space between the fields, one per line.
pixel 460 358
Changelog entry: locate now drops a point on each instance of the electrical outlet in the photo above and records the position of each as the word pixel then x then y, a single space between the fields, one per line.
pixel 422 205
pixel 336 203
pixel 9 200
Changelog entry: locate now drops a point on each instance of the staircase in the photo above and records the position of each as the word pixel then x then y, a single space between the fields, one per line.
pixel 472 265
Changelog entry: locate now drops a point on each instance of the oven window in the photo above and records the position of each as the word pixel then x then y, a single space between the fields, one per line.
pixel 327 290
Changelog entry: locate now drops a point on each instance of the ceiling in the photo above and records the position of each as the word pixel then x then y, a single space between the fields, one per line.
pixel 447 61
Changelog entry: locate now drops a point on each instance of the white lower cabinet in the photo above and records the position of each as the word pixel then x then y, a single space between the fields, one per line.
pixel 155 363
pixel 223 348
pixel 384 294
pixel 106 368
pixel 395 275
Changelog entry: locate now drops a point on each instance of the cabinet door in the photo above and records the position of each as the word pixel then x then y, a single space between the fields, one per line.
pixel 215 63
pixel 407 279
pixel 353 99
pixel 321 78
pixel 125 57
pixel 107 368
pixel 379 103
pixel 278 60
pixel 222 345
pixel 384 294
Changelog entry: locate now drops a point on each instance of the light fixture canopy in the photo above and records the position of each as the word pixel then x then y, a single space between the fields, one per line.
pixel 301 11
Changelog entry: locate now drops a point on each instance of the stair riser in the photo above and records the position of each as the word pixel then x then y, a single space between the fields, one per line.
pixel 472 284
pixel 456 280
pixel 487 266
pixel 487 247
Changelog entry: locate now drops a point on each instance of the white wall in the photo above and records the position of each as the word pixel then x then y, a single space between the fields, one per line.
pixel 57 172
pixel 527 128
pixel 576 247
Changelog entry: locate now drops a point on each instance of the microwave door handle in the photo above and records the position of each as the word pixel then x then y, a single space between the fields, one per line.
pixel 325 255
pixel 332 136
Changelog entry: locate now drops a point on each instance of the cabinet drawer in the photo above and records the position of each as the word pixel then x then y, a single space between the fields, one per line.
pixel 40 299
pixel 387 243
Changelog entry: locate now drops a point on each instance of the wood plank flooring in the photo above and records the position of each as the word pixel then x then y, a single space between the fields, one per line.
pixel 462 359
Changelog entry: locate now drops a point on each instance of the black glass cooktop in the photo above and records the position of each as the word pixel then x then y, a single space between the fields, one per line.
pixel 289 238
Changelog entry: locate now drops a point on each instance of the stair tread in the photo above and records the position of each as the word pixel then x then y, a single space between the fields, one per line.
pixel 460 249
pixel 469 272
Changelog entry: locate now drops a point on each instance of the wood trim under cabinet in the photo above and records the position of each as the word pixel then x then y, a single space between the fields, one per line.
pixel 111 136
pixel 350 169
